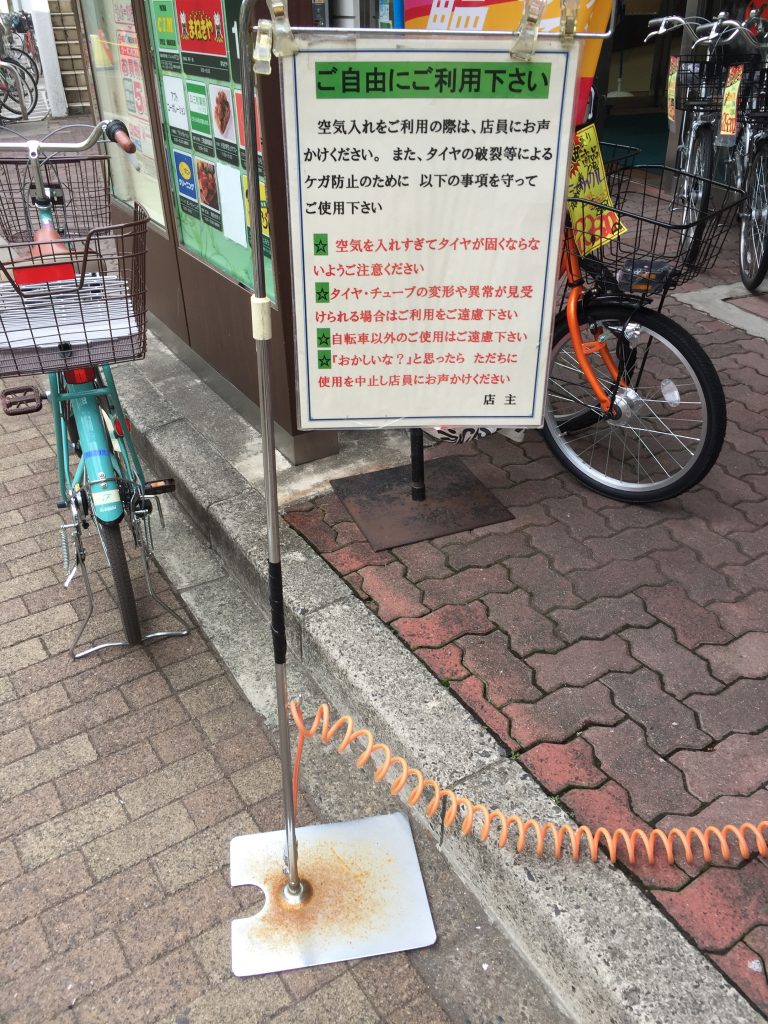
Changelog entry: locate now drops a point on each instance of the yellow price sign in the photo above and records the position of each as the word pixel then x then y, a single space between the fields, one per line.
pixel 728 120
pixel 593 226
pixel 263 208
pixel 674 67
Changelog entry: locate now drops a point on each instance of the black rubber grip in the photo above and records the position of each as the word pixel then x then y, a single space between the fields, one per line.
pixel 113 128
pixel 278 612
pixel 655 22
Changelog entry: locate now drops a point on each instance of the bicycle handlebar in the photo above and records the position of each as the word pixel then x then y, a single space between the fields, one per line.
pixel 725 30
pixel 672 22
pixel 98 133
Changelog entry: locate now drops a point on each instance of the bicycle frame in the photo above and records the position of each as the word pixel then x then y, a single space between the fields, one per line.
pixel 570 267
pixel 107 482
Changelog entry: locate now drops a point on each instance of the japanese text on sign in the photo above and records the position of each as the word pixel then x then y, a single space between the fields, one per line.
pixel 422 230
pixel 364 80
pixel 593 225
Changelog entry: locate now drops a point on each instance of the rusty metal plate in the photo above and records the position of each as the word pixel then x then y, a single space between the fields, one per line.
pixel 381 504
pixel 366 896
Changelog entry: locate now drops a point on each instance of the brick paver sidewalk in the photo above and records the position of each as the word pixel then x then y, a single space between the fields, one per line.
pixel 621 652
pixel 123 778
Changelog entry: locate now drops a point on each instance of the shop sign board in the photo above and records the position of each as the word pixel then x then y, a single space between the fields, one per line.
pixel 426 180
pixel 164 25
pixel 201 31
pixel 198 67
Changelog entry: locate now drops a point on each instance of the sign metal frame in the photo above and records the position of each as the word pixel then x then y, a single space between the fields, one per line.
pixel 317 45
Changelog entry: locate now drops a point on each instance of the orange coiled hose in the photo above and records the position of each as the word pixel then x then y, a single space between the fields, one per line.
pixel 611 840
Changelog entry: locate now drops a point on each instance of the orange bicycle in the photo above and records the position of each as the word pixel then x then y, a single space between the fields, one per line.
pixel 634 406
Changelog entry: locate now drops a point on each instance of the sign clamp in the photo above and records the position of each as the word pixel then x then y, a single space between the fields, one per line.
pixel 528 29
pixel 569 10
pixel 283 42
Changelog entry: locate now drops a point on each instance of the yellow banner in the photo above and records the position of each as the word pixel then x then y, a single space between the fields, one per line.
pixel 593 226
pixel 728 121
pixel 674 67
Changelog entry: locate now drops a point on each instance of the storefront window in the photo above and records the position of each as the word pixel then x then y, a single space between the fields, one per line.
pixel 122 94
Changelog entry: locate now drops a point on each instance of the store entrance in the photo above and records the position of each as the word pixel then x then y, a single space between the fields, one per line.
pixel 637 79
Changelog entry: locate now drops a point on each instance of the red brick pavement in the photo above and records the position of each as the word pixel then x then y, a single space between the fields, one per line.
pixel 123 778
pixel 622 651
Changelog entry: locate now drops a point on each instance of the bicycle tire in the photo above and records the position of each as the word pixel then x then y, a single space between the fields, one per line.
pixel 753 235
pixel 11 105
pixel 26 61
pixel 126 600
pixel 661 445
pixel 696 189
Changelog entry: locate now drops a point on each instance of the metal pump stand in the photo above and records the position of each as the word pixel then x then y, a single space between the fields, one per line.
pixel 361 892
pixel 262 333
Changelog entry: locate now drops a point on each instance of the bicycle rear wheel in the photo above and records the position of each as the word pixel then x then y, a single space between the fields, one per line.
pixel 126 601
pixel 753 239
pixel 671 407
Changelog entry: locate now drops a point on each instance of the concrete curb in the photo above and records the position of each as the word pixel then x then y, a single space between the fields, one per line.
pixel 597 941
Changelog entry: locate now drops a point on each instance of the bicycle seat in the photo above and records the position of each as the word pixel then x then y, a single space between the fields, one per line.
pixel 644 276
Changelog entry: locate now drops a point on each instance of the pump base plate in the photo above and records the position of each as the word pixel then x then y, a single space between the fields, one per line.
pixel 366 896
pixel 381 504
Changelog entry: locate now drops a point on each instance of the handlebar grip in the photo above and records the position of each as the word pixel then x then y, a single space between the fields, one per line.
pixel 655 22
pixel 117 132
pixel 703 30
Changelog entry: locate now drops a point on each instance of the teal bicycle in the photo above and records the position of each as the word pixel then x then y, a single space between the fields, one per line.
pixel 73 301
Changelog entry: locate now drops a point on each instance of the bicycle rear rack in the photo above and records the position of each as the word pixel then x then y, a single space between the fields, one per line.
pixel 141 526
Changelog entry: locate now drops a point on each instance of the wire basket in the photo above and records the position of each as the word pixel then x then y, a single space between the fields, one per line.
pixel 75 303
pixel 618 161
pixel 655 239
pixel 700 82
pixel 753 96
pixel 78 188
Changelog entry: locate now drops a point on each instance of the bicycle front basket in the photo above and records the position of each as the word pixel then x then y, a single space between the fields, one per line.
pixel 655 239
pixel 76 302
pixel 700 82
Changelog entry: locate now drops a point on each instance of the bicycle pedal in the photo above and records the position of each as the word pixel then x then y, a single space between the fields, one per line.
pixel 167 486
pixel 21 400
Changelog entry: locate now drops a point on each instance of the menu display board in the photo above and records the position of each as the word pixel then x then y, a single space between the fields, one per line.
pixel 198 67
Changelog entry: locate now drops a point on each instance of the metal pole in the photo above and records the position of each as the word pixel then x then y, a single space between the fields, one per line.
pixel 294 889
pixel 418 487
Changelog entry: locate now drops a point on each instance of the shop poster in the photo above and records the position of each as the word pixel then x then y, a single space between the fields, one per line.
pixel 674 68
pixel 201 35
pixel 505 16
pixel 426 199
pixel 729 124
pixel 198 67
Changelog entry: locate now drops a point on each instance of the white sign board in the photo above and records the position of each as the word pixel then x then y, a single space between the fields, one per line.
pixel 426 185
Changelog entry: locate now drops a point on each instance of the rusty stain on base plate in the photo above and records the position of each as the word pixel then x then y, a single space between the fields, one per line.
pixel 366 896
